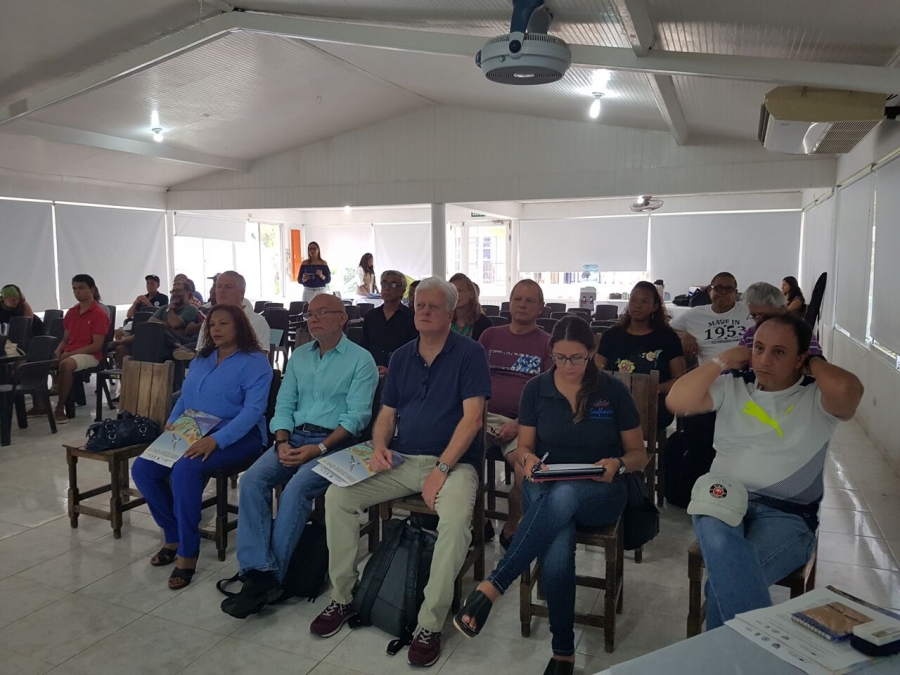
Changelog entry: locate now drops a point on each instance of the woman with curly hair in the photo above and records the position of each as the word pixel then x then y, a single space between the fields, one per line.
pixel 229 379
pixel 643 341
pixel 468 319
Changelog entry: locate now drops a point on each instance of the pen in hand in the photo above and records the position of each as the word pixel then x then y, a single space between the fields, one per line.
pixel 541 463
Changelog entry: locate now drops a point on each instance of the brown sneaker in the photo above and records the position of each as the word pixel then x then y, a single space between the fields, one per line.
pixel 331 619
pixel 425 649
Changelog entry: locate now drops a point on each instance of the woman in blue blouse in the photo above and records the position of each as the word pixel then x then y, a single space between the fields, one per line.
pixel 314 273
pixel 573 413
pixel 229 379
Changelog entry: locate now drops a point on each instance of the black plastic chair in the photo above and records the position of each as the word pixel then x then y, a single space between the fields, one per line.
pixel 296 308
pixel 273 305
pixel 29 378
pixel 547 324
pixel 815 301
pixel 504 307
pixel 20 331
pixel 585 313
pixel 49 315
pixel 606 313
pixel 139 318
pixel 355 334
pixel 352 312
pixel 56 328
pixel 42 348
pixel 499 320
pixel 506 314
pixel 556 316
pixel 556 306
pixel 364 308
pixel 545 313
pixel 259 306
pixel 491 310
pixel 279 319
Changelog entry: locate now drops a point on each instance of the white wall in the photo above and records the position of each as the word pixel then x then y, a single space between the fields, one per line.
pixel 877 412
pixel 452 155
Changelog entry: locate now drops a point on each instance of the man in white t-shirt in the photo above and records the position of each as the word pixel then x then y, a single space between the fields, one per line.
pixel 773 428
pixel 711 329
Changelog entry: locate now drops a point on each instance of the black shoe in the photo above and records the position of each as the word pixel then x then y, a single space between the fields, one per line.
pixel 477 606
pixel 557 667
pixel 506 540
pixel 488 531
pixel 259 589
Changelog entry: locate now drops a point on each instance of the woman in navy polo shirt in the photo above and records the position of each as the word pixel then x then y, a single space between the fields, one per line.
pixel 573 413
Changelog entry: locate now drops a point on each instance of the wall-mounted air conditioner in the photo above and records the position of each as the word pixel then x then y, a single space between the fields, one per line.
pixel 807 121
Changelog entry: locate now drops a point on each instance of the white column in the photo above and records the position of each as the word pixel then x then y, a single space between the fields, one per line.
pixel 439 240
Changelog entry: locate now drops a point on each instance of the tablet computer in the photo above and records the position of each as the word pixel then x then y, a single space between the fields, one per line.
pixel 567 472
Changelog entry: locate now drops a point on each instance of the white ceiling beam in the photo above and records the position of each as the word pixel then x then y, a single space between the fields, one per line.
pixel 779 71
pixel 52 132
pixel 500 210
pixel 635 15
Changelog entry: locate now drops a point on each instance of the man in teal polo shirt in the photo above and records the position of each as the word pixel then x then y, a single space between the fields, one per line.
pixel 432 410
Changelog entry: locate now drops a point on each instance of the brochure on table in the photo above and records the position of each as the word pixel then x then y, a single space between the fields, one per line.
pixel 773 629
pixel 188 429
pixel 350 466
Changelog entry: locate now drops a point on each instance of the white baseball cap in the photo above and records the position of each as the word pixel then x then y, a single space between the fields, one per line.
pixel 719 496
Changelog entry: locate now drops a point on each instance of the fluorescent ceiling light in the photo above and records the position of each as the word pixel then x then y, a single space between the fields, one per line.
pixel 154 120
pixel 594 110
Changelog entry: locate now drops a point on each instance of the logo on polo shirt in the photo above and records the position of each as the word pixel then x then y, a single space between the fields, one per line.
pixel 718 491
pixel 601 410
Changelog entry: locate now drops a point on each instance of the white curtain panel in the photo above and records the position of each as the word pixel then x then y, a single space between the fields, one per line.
pixel 210 227
pixel 687 250
pixel 405 247
pixel 854 247
pixel 818 255
pixel 616 244
pixel 26 251
pixel 118 247
pixel 886 298
pixel 341 245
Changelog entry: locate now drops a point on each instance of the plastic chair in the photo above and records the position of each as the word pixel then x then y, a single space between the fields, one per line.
pixel 56 328
pixel 491 310
pixel 606 313
pixel 364 308
pixel 556 316
pixel 279 319
pixel 259 306
pixel 352 312
pixel 42 348
pixel 355 334
pixel 556 306
pixel 296 308
pixel 29 378
pixel 504 307
pixel 499 320
pixel 547 324
pixel 273 305
pixel 49 315
pixel 20 331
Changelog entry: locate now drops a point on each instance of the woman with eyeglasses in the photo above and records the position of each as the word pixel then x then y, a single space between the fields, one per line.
pixel 642 341
pixel 573 413
pixel 796 303
pixel 365 276
pixel 314 274
pixel 468 319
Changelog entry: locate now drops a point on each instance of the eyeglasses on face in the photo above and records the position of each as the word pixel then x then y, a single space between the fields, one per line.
pixel 391 284
pixel 321 313
pixel 724 289
pixel 577 360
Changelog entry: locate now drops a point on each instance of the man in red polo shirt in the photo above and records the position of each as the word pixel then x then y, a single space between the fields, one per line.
pixel 86 327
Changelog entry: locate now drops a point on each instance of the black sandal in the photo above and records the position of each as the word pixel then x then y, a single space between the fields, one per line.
pixel 182 575
pixel 165 556
pixel 477 606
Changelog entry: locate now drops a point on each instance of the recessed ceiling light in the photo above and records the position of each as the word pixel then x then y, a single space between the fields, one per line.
pixel 157 134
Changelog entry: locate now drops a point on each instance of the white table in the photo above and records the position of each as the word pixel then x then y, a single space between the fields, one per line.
pixel 723 652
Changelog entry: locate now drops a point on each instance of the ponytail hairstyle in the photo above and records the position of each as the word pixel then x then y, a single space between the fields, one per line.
pixel 576 329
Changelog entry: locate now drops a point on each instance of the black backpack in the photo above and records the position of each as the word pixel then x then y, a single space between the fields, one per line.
pixel 307 572
pixel 393 584
pixel 689 454
pixel 641 517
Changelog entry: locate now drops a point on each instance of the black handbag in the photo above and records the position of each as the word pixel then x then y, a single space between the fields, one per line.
pixel 125 430
pixel 641 515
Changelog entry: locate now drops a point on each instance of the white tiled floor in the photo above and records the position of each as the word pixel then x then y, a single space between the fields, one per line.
pixel 81 602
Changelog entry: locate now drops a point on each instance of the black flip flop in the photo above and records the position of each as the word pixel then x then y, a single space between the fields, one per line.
pixel 181 575
pixel 165 556
pixel 477 606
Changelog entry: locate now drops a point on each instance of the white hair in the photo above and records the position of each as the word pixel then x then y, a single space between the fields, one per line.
pixel 762 293
pixel 435 283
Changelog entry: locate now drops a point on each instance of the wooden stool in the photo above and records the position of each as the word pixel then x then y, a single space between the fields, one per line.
pixel 611 539
pixel 800 581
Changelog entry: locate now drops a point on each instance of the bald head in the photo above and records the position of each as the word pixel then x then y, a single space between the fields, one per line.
pixel 326 318
pixel 326 301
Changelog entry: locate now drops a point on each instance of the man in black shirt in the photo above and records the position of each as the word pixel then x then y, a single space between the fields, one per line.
pixel 390 326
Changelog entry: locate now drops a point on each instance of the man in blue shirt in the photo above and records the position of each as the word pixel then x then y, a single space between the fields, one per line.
pixel 324 402
pixel 431 415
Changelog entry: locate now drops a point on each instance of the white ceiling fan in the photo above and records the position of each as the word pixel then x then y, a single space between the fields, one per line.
pixel 646 203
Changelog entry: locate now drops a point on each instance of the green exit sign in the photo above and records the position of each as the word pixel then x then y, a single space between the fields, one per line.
pixel 477 215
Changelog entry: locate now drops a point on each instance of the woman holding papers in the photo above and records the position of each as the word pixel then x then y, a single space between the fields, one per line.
pixel 228 379
pixel 573 413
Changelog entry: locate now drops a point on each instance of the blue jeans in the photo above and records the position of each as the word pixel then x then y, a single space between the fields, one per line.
pixel 263 545
pixel 547 532
pixel 743 561
pixel 174 493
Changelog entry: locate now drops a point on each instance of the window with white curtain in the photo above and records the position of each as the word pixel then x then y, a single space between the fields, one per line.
pixel 117 247
pixel 885 326
pixel 405 247
pixel 854 249
pixel 26 253
pixel 616 244
pixel 688 249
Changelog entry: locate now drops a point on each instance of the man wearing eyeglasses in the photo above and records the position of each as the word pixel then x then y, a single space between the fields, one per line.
pixel 325 400
pixel 390 326
pixel 431 416
pixel 709 330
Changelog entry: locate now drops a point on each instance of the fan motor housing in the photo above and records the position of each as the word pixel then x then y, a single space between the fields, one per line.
pixel 524 59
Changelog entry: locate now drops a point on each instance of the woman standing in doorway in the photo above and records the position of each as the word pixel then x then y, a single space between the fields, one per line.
pixel 468 319
pixel 365 276
pixel 314 273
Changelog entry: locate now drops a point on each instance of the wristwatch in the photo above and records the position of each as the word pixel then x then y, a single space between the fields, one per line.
pixel 622 467
pixel 279 442
pixel 442 467
pixel 322 449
